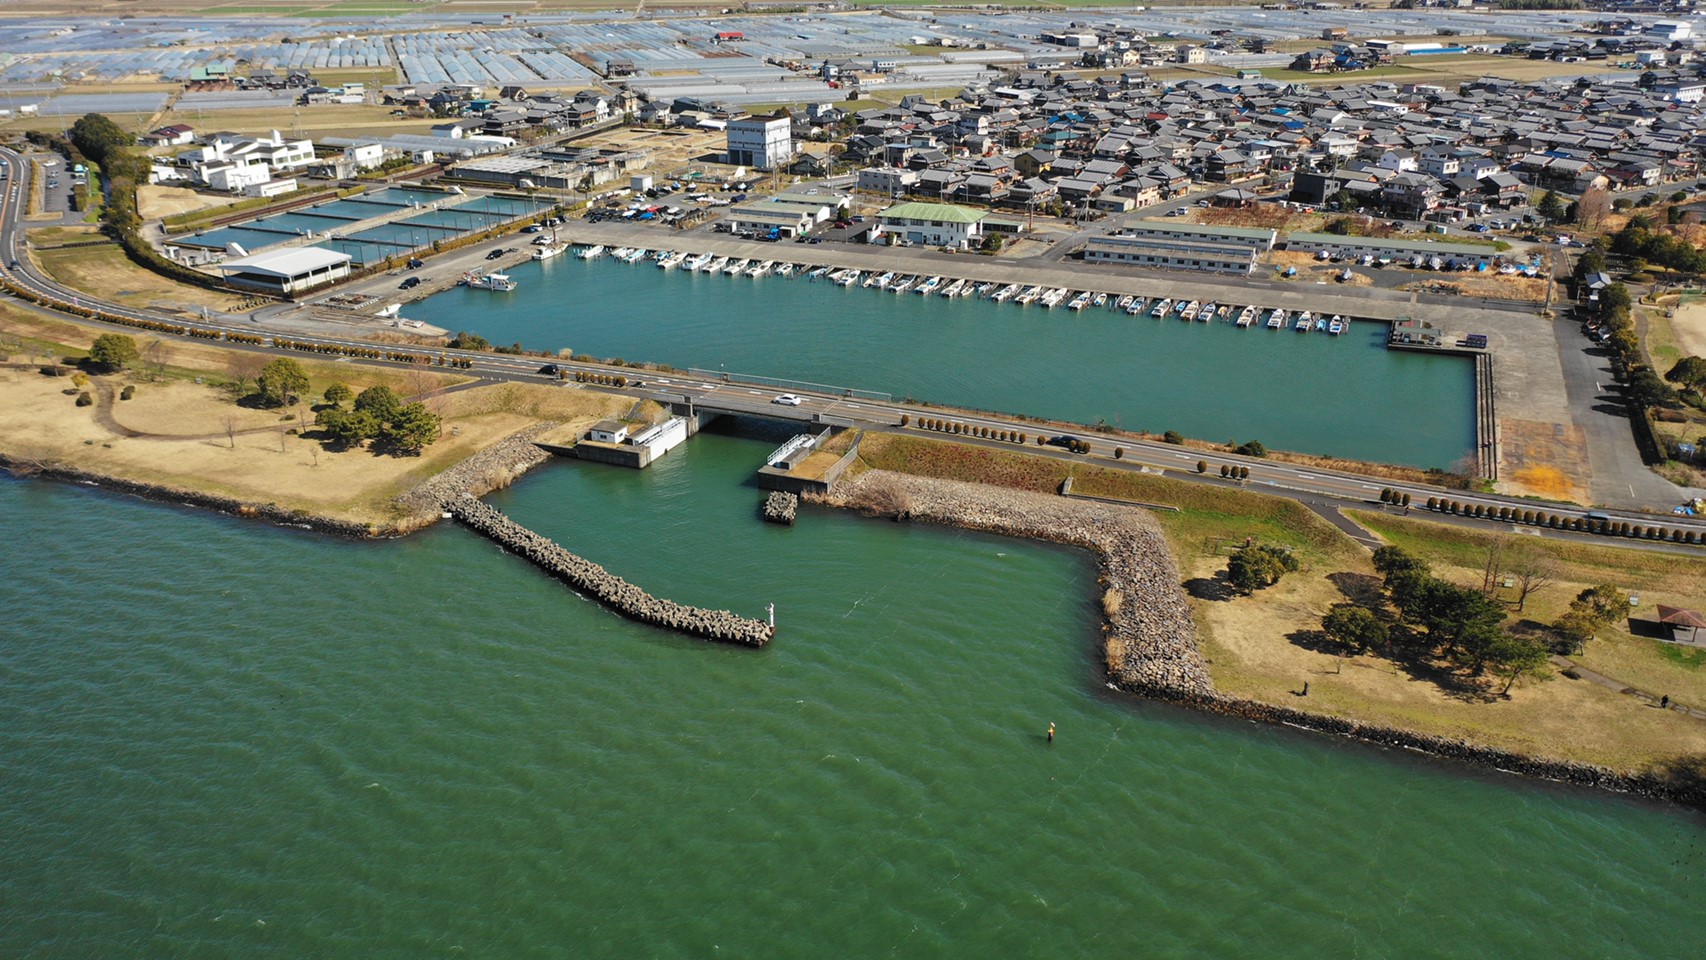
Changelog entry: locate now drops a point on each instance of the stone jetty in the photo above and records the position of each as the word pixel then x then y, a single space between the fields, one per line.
pixel 781 507
pixel 600 584
pixel 1150 639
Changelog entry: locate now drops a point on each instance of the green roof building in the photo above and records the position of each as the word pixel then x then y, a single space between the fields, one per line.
pixel 930 224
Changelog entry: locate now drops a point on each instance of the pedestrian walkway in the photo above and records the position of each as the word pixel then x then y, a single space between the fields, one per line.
pixel 1611 683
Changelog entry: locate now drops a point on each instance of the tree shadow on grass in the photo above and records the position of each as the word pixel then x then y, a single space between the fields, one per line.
pixel 1451 681
pixel 1216 587
pixel 1362 589
pixel 1315 640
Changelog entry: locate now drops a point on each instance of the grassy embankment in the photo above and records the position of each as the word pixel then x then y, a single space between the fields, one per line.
pixel 185 429
pixel 1264 647
pixel 104 271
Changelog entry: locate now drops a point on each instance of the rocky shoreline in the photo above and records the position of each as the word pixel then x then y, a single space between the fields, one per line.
pixel 490 469
pixel 780 507
pixel 207 501
pixel 1150 639
pixel 600 584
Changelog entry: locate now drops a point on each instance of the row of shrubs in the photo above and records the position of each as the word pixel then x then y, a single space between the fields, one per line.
pixel 155 326
pixel 966 429
pixel 1389 495
pixel 369 353
pixel 78 310
pixel 602 379
pixel 1540 518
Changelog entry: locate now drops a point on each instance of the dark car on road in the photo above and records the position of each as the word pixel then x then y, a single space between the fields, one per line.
pixel 409 283
pixel 550 370
pixel 495 254
pixel 1068 441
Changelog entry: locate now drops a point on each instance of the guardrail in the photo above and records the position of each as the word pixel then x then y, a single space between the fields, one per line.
pixel 784 383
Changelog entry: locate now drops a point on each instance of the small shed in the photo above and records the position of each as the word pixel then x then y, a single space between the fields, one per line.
pixel 608 431
pixel 1684 625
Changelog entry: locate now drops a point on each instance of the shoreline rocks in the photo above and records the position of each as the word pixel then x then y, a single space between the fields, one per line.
pixel 1150 639
pixel 780 507
pixel 270 513
pixel 600 584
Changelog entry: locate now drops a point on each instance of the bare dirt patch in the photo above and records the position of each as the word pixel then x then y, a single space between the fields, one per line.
pixel 1545 460
pixel 154 202
pixel 1532 289
pixel 1689 324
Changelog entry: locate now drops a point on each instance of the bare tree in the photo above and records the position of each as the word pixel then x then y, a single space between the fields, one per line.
pixel 231 430
pixel 1592 208
pixel 283 432
pixel 244 367
pixel 882 495
pixel 1492 567
pixel 154 358
pixel 1533 569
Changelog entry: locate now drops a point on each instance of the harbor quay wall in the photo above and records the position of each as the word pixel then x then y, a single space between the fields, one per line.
pixel 1149 637
pixel 601 585
pixel 1366 302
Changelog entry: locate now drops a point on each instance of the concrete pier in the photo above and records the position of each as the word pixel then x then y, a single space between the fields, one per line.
pixel 602 585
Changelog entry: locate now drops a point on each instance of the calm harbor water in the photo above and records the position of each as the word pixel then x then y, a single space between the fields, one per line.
pixel 1346 396
pixel 222 739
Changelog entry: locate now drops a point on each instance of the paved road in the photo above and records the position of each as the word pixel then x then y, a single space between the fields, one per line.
pixel 1617 471
pixel 1322 490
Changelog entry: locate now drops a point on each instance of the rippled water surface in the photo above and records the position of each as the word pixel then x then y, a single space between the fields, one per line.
pixel 1344 396
pixel 223 739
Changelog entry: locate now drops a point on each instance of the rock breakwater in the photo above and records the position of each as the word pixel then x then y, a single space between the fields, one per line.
pixel 781 507
pixel 1149 636
pixel 493 468
pixel 602 585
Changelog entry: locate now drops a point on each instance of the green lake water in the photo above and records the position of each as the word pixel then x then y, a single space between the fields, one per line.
pixel 222 739
pixel 1345 396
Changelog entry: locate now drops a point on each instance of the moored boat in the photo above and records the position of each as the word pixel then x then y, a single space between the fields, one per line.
pixel 1247 316
pixel 499 282
pixel 591 253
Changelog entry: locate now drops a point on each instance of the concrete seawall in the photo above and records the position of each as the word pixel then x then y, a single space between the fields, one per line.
pixel 602 585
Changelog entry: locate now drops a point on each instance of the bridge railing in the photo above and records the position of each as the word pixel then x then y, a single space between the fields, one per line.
pixel 786 384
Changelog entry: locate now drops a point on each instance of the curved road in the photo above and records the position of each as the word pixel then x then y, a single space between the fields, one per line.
pixel 1324 491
